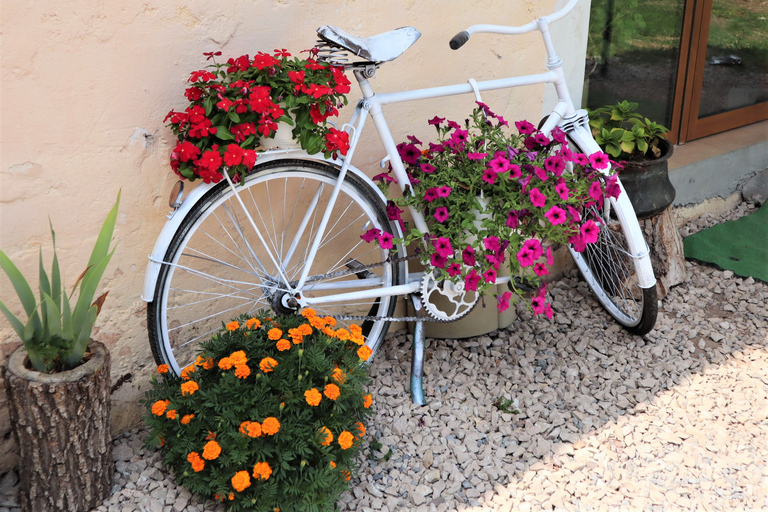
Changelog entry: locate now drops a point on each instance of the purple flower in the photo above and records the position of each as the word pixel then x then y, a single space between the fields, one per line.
pixel 514 171
pixel 453 269
pixel 529 252
pixel 556 215
pixel 414 140
pixel 550 259
pixel 490 276
pixel 590 231
pixel 429 169
pixel 443 246
pixel 599 160
pixel 438 260
pixel 384 177
pixel 513 152
pixel 580 159
pixel 524 127
pixel 441 214
pixel 554 165
pixel 430 195
pixel 562 189
pixel 385 241
pixel 558 135
pixel 500 164
pixel 612 188
pixel 503 301
pixel 453 125
pixel 540 173
pixel 537 198
pixel 531 155
pixel 370 235
pixel 436 121
pixel 477 156
pixel 489 176
pixel 525 182
pixel 540 269
pixel 541 139
pixel 513 220
pixel 393 212
pixel 471 281
pixel 491 243
pixel 436 148
pixel 443 191
pixel 595 191
pixel 468 256
pixel 578 242
pixel 530 143
pixel 409 153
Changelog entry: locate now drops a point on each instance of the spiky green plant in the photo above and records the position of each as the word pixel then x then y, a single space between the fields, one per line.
pixel 56 335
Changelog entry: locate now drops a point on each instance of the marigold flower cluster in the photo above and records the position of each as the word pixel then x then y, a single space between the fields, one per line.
pixel 234 106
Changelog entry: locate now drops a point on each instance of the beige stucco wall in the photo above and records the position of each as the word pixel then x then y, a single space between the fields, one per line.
pixel 85 86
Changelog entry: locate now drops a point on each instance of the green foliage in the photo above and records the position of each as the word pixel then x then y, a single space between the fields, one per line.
pixel 505 405
pixel 234 388
pixel 624 134
pixel 55 334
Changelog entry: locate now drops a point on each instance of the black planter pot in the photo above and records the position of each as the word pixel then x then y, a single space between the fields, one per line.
pixel 647 183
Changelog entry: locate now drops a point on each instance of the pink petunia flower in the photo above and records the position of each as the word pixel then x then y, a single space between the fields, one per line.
pixel 453 269
pixel 477 156
pixel 524 127
pixel 430 195
pixel 471 281
pixel 556 215
pixel 492 243
pixel 599 160
pixel 554 165
pixel 540 269
pixel 500 164
pixel 537 198
pixel 562 189
pixel 590 232
pixel 489 276
pixel 489 176
pixel 580 159
pixel 529 252
pixel 468 256
pixel 540 173
pixel 385 240
pixel 443 191
pixel 438 260
pixel 429 169
pixel 441 214
pixel 371 235
pixel 503 301
pixel 443 246
pixel 595 191
pixel 514 171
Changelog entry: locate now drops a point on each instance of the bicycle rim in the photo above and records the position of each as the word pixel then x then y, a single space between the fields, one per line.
pixel 217 269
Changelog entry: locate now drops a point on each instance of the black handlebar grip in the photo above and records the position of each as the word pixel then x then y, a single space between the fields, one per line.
pixel 459 40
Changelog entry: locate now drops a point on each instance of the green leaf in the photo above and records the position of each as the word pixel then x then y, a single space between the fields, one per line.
pixel 45 289
pixel 234 117
pixel 208 105
pixel 54 316
pixel 247 142
pixel 627 146
pixel 17 324
pixel 56 286
pixel 222 132
pixel 22 288
pixel 642 145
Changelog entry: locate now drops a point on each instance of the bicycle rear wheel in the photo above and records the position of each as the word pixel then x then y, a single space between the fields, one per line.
pixel 612 266
pixel 216 269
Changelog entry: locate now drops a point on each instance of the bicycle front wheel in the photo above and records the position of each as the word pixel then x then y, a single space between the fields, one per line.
pixel 612 266
pixel 216 268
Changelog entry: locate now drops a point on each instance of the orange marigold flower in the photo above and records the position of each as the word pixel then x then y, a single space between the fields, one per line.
pixel 189 388
pixel 241 481
pixel 211 435
pixel 358 339
pixel 238 357
pixel 162 442
pixel 270 426
pixel 207 363
pixel 198 464
pixel 346 474
pixel 327 436
pixel 163 368
pixel 244 427
pixel 186 371
pixel 316 322
pixel 231 496
pixel 360 428
pixel 283 344
pixel 171 415
pixel 346 439
pixel 262 471
pixel 274 334
pixel 233 326
pixel 313 396
pixel 254 429
pixel 308 313
pixel 253 323
pixel 304 329
pixel 187 418
pixel 242 371
pixel 364 352
pixel 342 334
pixel 333 464
pixel 338 375
pixel 159 407
pixel 267 364
pixel 211 450
pixel 355 329
pixel 329 321
pixel 367 400
pixel 332 391
pixel 226 363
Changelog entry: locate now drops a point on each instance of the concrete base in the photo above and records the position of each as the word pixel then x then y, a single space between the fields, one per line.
pixel 756 189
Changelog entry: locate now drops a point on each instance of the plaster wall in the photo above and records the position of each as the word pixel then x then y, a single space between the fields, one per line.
pixel 84 88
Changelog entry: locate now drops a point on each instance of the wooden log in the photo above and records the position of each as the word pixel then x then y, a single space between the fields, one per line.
pixel 61 426
pixel 667 253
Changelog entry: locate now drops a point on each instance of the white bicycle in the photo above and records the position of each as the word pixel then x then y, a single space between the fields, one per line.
pixel 289 236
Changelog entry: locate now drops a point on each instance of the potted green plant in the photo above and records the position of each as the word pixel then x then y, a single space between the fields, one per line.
pixel 238 107
pixel 271 415
pixel 492 199
pixel 58 385
pixel 639 145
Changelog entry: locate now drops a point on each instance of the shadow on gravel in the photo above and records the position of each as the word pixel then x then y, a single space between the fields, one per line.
pixel 605 418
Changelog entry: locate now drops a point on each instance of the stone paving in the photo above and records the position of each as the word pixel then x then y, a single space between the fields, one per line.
pixel 677 420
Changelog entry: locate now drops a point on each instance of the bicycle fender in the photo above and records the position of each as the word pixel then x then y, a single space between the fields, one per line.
pixel 172 225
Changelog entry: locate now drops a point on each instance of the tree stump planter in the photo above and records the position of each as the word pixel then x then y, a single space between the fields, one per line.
pixel 60 423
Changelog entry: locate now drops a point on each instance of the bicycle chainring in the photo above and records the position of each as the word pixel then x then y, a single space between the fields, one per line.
pixel 445 300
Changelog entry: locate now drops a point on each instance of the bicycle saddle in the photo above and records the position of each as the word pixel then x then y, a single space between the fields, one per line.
pixel 379 48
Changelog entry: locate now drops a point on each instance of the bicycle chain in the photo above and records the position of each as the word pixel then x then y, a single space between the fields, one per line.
pixel 364 318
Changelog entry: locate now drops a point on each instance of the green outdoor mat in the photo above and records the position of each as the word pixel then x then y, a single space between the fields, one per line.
pixel 740 245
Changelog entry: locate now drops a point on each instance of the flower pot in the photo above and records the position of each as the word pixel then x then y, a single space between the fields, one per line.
pixel 647 183
pixel 283 136
pixel 60 423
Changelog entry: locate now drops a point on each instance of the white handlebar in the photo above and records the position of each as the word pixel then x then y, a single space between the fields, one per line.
pixel 534 25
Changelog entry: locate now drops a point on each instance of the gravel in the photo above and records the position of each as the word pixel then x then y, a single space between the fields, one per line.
pixel 607 421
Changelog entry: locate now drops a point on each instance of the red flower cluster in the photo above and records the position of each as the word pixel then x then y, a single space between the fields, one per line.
pixel 235 105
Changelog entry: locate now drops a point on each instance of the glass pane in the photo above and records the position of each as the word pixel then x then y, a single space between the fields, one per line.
pixel 736 69
pixel 632 54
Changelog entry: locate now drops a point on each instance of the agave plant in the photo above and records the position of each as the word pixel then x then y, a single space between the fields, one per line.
pixel 56 335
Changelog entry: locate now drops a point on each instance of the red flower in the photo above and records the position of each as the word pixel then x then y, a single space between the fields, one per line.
pixel 296 77
pixel 249 158
pixel 240 64
pixel 202 129
pixel 195 114
pixel 224 104
pixel 211 161
pixel 185 152
pixel 318 91
pixel 242 131
pixel 337 140
pixel 317 116
pixel 267 126
pixel 260 100
pixel 201 76
pixel 342 82
pixel 311 64
pixel 262 60
pixel 193 93
pixel 234 155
